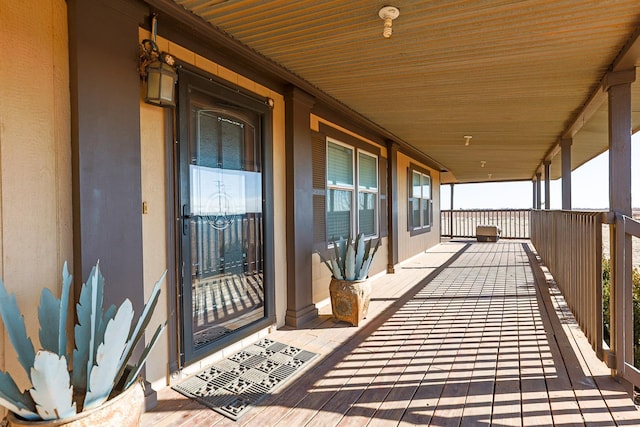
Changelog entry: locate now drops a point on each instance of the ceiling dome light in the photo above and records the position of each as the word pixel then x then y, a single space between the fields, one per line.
pixel 388 14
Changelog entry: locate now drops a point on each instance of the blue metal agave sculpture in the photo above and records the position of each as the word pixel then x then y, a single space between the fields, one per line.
pixel 104 342
pixel 351 260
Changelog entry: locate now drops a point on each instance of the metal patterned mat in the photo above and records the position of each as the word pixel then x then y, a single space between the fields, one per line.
pixel 233 385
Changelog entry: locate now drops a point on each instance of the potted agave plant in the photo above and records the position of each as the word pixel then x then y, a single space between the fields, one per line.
pixel 349 289
pixel 95 386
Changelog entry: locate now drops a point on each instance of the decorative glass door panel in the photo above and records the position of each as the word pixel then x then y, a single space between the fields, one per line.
pixel 221 184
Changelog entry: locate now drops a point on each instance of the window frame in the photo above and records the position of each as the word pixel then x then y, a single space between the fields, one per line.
pixel 339 187
pixel 356 189
pixel 364 190
pixel 422 227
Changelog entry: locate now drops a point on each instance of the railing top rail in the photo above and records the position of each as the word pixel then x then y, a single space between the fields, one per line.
pixel 613 216
pixel 605 216
pixel 609 217
pixel 630 225
pixel 572 211
pixel 486 210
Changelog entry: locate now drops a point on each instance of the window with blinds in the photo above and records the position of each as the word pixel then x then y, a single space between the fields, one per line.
pixel 352 180
pixel 367 194
pixel 420 203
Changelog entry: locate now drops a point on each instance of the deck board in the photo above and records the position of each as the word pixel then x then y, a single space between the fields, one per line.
pixel 465 334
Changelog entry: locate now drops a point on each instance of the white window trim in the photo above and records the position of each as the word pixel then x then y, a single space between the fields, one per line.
pixel 356 189
pixel 361 189
pixel 429 200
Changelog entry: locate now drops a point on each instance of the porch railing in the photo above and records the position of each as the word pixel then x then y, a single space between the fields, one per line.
pixel 624 343
pixel 514 223
pixel 570 244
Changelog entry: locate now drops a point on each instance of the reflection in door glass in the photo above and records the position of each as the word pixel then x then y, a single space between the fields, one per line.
pixel 226 228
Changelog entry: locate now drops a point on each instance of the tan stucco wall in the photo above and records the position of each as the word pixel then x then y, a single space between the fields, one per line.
pixel 35 158
pixel 154 224
pixel 154 193
pixel 409 246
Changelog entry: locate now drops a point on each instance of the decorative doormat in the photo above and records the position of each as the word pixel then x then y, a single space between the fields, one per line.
pixel 233 385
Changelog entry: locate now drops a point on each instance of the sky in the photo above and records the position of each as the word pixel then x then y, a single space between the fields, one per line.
pixel 590 188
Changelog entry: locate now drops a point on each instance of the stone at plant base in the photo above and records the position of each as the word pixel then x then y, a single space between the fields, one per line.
pixel 350 299
pixel 124 410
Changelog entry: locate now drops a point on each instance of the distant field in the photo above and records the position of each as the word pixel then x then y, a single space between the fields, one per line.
pixel 606 251
pixel 635 241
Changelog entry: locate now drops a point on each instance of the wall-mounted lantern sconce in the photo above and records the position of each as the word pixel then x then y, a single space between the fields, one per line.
pixel 157 69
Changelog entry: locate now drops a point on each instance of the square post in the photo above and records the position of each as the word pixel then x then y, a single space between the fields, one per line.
pixel 392 205
pixel 565 146
pixel 547 184
pixel 300 306
pixel 451 213
pixel 538 204
pixel 618 87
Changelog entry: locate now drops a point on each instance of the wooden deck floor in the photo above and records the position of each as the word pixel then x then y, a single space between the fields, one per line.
pixel 479 341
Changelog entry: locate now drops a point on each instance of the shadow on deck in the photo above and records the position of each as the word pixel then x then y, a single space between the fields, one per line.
pixel 464 334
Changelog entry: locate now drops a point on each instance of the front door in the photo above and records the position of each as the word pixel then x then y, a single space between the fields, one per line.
pixel 221 183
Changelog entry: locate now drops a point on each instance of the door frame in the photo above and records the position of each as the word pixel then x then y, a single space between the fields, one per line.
pixel 188 77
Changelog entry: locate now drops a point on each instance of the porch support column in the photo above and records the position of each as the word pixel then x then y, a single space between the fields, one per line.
pixel 105 123
pixel 565 146
pixel 392 205
pixel 618 86
pixel 300 307
pixel 538 204
pixel 105 148
pixel 538 190
pixel 547 184
pixel 533 191
pixel 451 212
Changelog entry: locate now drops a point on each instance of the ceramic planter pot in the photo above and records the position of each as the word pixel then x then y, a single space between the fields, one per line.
pixel 350 299
pixel 124 410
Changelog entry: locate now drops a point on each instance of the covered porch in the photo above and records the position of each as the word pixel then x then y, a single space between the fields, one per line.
pixel 465 333
pixel 462 92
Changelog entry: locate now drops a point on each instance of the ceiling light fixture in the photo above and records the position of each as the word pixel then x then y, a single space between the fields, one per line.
pixel 467 140
pixel 388 14
pixel 482 163
pixel 489 175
